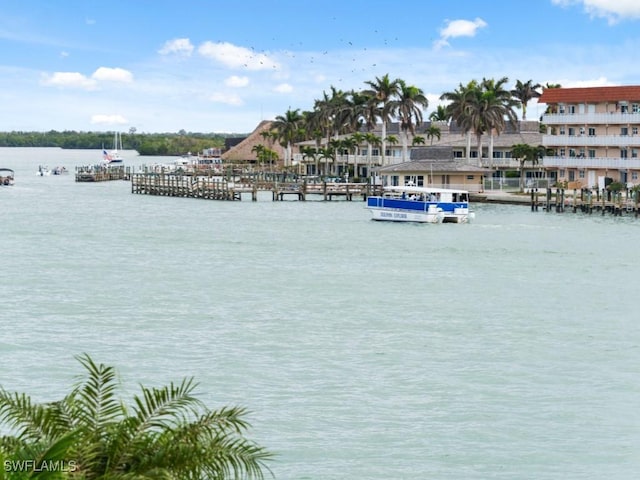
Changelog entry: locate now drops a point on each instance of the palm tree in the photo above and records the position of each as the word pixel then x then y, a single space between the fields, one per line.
pixel 439 114
pixel 166 433
pixel 527 153
pixel 497 108
pixel 524 92
pixel 372 141
pixel 418 140
pixel 411 100
pixel 383 89
pixel 461 104
pixel 287 127
pixel 391 140
pixel 433 132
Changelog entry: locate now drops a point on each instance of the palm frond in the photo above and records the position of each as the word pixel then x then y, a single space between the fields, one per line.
pixel 95 398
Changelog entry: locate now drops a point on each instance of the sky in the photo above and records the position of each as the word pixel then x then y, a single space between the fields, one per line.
pixel 212 66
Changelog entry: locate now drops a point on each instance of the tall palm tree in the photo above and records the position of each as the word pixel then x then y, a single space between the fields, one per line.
pixel 497 108
pixel 287 127
pixel 383 89
pixel 460 106
pixel 525 92
pixel 408 106
pixel 165 433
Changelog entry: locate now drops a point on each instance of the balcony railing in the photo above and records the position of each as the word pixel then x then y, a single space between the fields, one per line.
pixel 591 140
pixel 590 118
pixel 595 162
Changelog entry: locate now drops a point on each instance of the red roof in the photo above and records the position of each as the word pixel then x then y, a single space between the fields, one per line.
pixel 590 94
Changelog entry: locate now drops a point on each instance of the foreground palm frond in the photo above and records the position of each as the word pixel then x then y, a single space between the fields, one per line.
pixel 90 434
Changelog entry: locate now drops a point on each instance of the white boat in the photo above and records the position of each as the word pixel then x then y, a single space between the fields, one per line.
pixel 43 171
pixel 7 176
pixel 114 155
pixel 421 204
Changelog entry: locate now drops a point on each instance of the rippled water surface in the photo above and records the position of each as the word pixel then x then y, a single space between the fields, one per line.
pixel 507 348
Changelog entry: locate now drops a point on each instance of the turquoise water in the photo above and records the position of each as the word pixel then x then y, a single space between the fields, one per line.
pixel 507 348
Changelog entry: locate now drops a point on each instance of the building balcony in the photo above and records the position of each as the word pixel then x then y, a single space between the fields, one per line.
pixel 582 119
pixel 618 163
pixel 591 140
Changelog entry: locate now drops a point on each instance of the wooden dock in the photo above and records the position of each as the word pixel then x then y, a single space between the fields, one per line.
pixel 587 201
pixel 102 173
pixel 220 188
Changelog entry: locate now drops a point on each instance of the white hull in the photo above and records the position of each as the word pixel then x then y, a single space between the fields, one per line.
pixel 404 216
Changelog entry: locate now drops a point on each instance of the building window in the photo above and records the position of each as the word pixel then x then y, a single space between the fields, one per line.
pixel 624 131
pixel 561 108
pixel 561 173
pixel 635 107
pixel 581 153
pixel 634 153
pixel 581 130
pixel 470 177
pixel 623 153
pixel 420 180
pixel 507 155
pixel 592 153
pixel 634 130
pixel 562 131
pixel 572 176
pixel 498 154
pixel 572 109
pixel 634 175
pixel 592 132
pixel 457 154
pixel 581 173
pixel 562 152
pixel 572 131
pixel 572 152
pixel 624 108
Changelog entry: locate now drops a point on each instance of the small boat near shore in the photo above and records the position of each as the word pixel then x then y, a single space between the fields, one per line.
pixel 421 205
pixel 7 176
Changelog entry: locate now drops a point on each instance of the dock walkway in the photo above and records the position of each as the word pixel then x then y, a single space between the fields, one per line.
pixel 220 188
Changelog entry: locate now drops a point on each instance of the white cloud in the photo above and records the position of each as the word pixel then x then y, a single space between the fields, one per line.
pixel 235 81
pixel 236 57
pixel 283 88
pixel 226 99
pixel 107 74
pixel 108 120
pixel 70 80
pixel 459 28
pixel 178 46
pixel 612 10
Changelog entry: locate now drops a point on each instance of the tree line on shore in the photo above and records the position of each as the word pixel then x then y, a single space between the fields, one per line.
pixel 144 143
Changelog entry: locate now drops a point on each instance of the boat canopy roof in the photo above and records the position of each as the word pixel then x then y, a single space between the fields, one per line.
pixel 6 170
pixel 412 189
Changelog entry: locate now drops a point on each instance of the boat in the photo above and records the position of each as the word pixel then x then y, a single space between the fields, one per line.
pixel 7 176
pixel 59 171
pixel 421 204
pixel 114 155
pixel 43 171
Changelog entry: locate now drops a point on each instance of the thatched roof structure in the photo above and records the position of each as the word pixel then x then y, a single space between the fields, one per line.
pixel 242 152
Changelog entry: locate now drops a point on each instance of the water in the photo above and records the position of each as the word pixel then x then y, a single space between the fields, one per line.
pixel 505 349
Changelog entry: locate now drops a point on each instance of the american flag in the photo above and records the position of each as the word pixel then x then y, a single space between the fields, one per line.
pixel 106 156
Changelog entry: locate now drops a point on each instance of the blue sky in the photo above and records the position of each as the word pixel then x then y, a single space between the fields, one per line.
pixel 211 66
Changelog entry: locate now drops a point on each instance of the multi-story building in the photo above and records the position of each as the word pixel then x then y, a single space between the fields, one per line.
pixel 592 135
